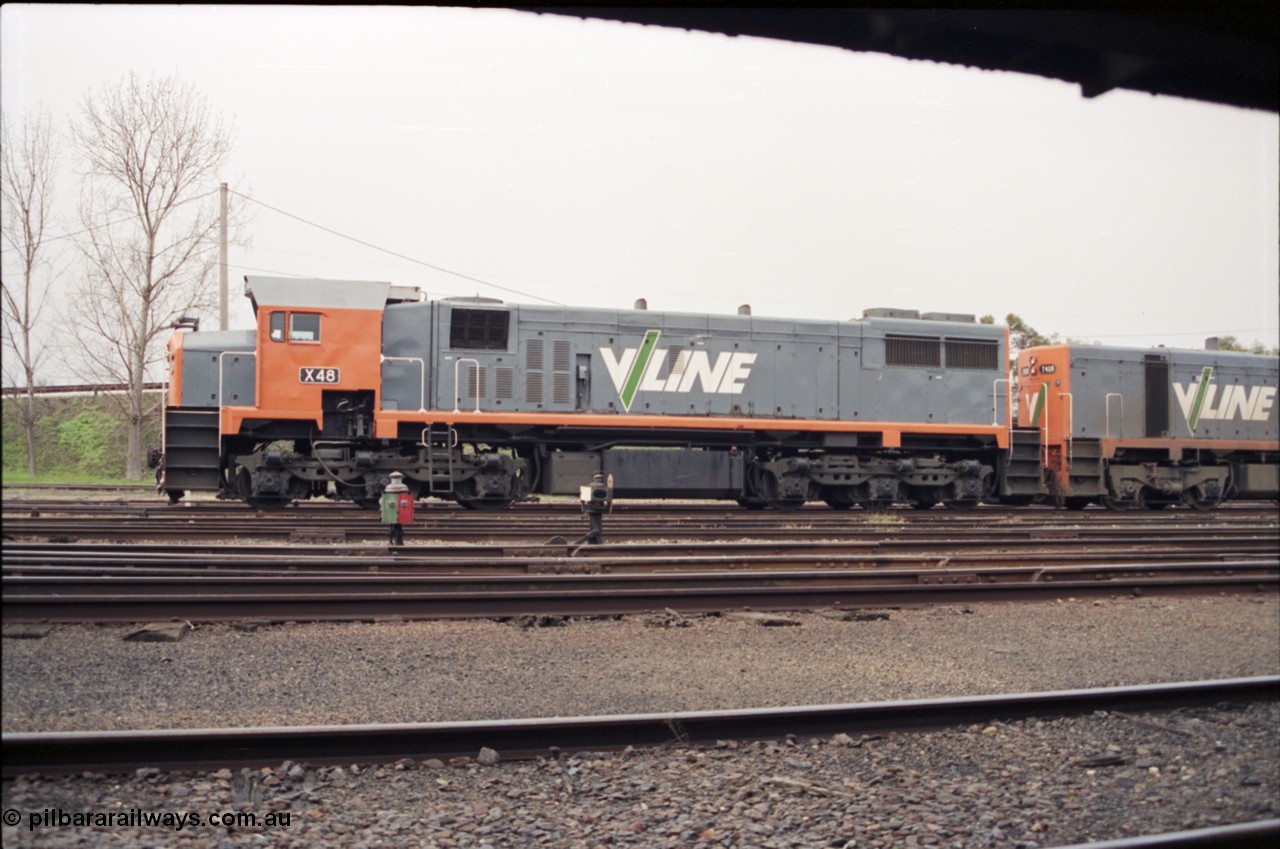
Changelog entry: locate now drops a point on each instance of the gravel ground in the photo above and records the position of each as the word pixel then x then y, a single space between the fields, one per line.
pixel 1031 783
pixel 89 678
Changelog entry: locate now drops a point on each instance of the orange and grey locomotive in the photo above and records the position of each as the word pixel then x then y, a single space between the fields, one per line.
pixel 471 400
pixel 482 403
pixel 1133 427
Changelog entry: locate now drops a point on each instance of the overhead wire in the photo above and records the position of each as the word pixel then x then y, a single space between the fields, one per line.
pixel 411 259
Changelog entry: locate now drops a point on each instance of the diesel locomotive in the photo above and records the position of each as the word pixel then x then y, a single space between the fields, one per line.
pixel 483 403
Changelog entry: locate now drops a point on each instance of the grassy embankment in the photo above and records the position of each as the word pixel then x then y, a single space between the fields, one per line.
pixel 79 439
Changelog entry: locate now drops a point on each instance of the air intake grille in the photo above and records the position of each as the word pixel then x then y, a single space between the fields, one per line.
pixel 913 351
pixel 980 354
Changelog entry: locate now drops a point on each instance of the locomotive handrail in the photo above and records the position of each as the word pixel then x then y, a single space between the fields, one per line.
pixel 995 400
pixel 161 466
pixel 457 395
pixel 1044 430
pixel 1070 423
pixel 422 370
pixel 426 432
pixel 1110 395
pixel 221 402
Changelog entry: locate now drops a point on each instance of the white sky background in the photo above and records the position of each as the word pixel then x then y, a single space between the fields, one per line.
pixel 592 163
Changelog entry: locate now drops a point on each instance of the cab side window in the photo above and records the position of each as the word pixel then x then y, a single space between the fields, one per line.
pixel 304 327
pixel 277 327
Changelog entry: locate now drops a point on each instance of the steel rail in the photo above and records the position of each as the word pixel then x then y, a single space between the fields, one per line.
pixel 614 558
pixel 685 512
pixel 123 751
pixel 291 571
pixel 752 573
pixel 685 515
pixel 187 528
pixel 340 598
pixel 543 504
pixel 1263 834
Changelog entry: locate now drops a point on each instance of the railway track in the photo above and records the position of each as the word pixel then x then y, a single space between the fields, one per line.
pixel 538 524
pixel 124 751
pixel 335 596
pixel 459 565
pixel 489 557
pixel 151 505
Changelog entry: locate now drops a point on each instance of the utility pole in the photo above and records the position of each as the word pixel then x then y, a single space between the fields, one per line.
pixel 222 260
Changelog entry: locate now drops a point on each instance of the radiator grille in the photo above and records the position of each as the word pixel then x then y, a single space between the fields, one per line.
pixel 912 351
pixel 983 354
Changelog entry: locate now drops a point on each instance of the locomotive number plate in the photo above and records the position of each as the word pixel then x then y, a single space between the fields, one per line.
pixel 318 375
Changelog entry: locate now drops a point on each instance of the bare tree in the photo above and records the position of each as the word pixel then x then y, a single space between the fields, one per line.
pixel 27 160
pixel 152 152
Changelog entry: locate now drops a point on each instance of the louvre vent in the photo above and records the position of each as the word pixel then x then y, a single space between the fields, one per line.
pixel 503 383
pixel 561 386
pixel 533 354
pixel 533 387
pixel 475 382
pixel 677 360
pixel 561 355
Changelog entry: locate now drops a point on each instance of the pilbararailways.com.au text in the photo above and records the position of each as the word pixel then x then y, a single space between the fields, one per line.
pixel 140 818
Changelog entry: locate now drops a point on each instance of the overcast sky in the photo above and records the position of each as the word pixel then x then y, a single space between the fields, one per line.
pixel 592 163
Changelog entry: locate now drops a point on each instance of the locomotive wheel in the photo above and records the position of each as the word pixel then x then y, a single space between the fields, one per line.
pixel 838 499
pixel 924 504
pixel 1077 502
pixel 752 503
pixel 1195 502
pixel 1119 506
pixel 786 505
pixel 258 502
pixel 368 503
pixel 174 495
pixel 961 504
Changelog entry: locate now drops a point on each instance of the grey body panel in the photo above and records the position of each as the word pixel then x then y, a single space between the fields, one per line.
pixel 406 351
pixel 218 362
pixel 564 360
pixel 1239 403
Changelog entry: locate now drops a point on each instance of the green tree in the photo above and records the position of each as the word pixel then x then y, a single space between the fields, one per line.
pixel 1023 335
pixel 1230 343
